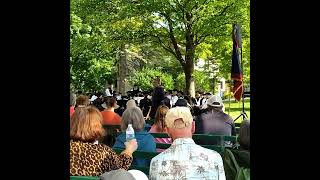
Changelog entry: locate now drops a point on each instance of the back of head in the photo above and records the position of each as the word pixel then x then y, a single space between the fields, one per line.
pixel 131 103
pixel 181 103
pixel 244 135
pixel 137 174
pixel 121 174
pixel 85 124
pixel 215 102
pixel 82 100
pixel 166 102
pixel 159 118
pixel 110 101
pixel 179 118
pixel 133 116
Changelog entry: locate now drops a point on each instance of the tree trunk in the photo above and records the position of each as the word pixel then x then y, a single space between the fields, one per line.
pixel 190 89
pixel 188 71
pixel 122 70
pixel 189 57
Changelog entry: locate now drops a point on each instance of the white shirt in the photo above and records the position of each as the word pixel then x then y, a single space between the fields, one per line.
pixel 174 99
pixel 186 160
pixel 94 97
pixel 108 92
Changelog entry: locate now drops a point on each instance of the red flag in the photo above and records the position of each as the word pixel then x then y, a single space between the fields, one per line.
pixel 236 72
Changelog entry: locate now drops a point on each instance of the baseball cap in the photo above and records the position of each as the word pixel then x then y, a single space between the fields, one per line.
pixel 178 113
pixel 215 101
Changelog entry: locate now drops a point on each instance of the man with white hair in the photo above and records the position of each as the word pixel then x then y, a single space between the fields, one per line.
pixel 184 159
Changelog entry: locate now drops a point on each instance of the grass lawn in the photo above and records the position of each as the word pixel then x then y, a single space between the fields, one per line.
pixel 236 108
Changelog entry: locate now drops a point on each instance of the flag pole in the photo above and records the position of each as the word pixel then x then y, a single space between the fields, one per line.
pixel 242 85
pixel 243 113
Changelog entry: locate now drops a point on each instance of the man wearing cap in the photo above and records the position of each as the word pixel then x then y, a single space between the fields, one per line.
pixel 184 159
pixel 213 120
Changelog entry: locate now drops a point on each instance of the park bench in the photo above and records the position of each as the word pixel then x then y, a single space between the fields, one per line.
pixel 205 140
pixel 139 154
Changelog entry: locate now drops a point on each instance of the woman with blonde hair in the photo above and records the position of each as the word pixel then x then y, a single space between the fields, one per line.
pixel 87 156
pixel 159 126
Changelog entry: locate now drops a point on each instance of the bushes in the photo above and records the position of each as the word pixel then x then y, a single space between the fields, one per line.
pixel 144 78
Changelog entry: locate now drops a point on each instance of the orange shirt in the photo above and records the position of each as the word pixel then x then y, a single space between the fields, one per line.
pixel 110 118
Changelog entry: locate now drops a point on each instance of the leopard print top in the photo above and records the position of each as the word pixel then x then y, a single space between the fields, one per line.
pixel 88 159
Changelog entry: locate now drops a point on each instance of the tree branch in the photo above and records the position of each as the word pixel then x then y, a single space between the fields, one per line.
pixel 201 38
pixel 204 36
pixel 222 12
pixel 173 39
pixel 167 48
pixel 196 5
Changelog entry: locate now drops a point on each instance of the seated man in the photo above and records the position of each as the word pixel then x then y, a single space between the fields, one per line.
pixel 214 121
pixel 184 159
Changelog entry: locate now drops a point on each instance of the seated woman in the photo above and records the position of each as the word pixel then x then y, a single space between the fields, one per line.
pixel 87 157
pixel 159 126
pixel 108 115
pixel 146 142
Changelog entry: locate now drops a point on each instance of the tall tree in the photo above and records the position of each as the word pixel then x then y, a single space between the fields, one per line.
pixel 179 26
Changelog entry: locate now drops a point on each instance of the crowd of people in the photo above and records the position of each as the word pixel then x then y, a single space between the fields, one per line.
pixel 179 116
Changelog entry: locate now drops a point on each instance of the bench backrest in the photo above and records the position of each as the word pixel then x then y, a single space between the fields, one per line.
pixel 201 137
pixel 139 154
pixel 205 140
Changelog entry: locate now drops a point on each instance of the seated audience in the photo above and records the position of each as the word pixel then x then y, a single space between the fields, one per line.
pixel 159 126
pixel 87 157
pixel 184 159
pixel 145 141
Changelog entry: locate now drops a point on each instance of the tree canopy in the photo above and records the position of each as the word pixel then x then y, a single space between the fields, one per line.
pixel 169 36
